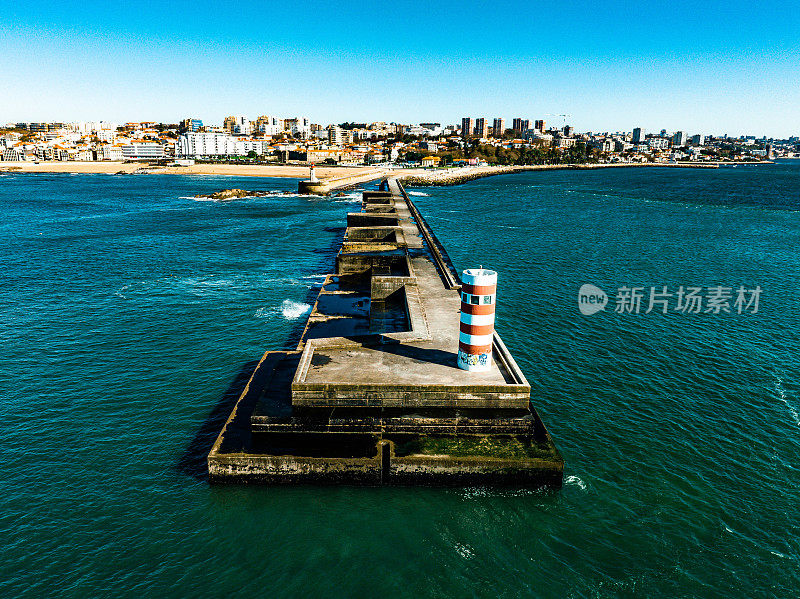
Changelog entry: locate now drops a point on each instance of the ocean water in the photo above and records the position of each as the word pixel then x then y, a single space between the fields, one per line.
pixel 132 314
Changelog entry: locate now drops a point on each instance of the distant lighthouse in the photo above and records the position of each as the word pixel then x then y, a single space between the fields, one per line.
pixel 312 175
pixel 476 327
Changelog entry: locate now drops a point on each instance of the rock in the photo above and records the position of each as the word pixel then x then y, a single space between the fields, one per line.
pixel 229 194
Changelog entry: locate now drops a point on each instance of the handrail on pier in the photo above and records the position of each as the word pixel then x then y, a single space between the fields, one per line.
pixel 440 258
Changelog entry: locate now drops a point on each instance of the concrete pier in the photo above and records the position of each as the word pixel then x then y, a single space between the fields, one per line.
pixel 324 187
pixel 372 393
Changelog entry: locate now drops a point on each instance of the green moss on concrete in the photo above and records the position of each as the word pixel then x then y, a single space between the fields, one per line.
pixel 479 446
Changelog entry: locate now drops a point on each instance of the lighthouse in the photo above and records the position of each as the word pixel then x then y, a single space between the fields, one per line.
pixel 476 326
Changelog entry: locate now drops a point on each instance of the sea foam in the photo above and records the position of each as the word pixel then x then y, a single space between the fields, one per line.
pixel 576 481
pixel 781 391
pixel 289 309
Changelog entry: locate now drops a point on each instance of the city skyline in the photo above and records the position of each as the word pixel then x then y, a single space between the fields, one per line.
pixel 609 68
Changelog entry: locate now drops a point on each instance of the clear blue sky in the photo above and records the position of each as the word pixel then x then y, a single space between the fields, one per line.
pixel 711 67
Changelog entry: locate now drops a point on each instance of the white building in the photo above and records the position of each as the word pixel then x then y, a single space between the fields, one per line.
pixel 300 127
pixel 206 144
pixel 194 145
pixel 335 135
pixel 338 136
pixel 241 126
pixel 565 142
pixel 604 145
pixel 106 135
pixel 658 143
pixel 269 125
pixel 84 154
pixel 137 151
pixel 110 152
pixel 536 134
pixel 245 146
pixel 12 155
pixel 417 130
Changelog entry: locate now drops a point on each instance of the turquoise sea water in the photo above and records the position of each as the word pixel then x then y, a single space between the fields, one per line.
pixel 131 314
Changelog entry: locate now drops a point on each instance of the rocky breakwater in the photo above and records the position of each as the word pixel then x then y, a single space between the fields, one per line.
pixel 455 176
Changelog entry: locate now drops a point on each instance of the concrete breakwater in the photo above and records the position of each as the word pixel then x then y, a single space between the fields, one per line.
pixel 372 393
pixel 457 176
pixel 327 185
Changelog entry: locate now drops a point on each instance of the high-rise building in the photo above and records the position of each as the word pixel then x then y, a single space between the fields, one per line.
pixel 498 128
pixel 539 126
pixel 335 134
pixel 241 125
pixel 192 125
pixel 698 140
pixel 300 127
pixel 466 126
pixel 236 125
pixel 638 135
pixel 268 125
pixel 521 125
pixel 481 127
pixel 680 139
pixel 228 123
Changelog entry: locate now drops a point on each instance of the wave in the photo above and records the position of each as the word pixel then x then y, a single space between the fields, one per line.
pixel 575 480
pixel 421 194
pixel 315 281
pixel 292 310
pixel 198 286
pixel 464 551
pixel 480 492
pixel 289 309
pixel 288 194
pixel 793 410
pixel 350 198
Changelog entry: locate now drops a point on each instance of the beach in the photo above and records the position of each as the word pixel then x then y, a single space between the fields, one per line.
pixel 237 170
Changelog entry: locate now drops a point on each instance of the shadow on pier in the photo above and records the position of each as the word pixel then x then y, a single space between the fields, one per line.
pixel 419 355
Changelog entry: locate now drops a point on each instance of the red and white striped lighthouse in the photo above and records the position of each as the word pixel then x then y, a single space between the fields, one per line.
pixel 478 295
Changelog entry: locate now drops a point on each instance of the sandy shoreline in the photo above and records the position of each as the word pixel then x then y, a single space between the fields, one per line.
pixel 237 170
